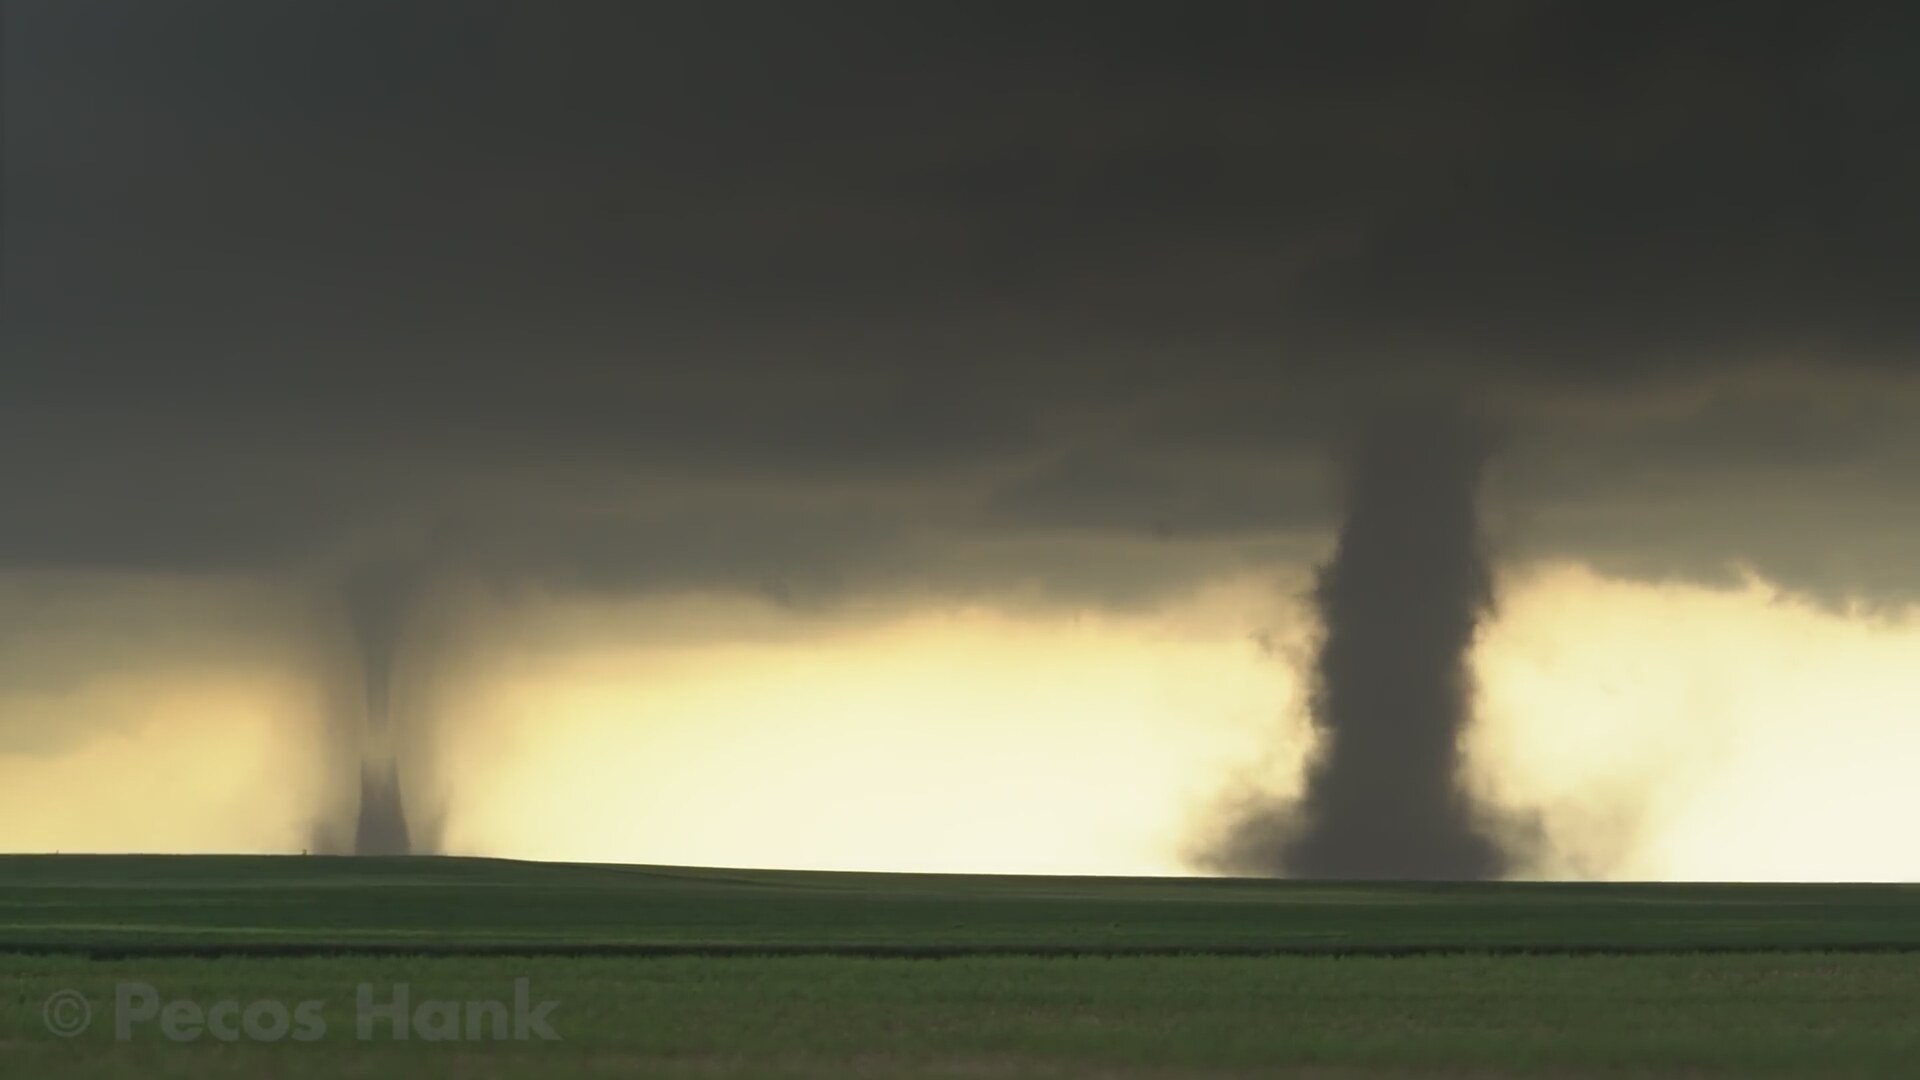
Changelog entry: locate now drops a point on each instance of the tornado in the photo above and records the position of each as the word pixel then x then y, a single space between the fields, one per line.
pixel 379 599
pixel 1391 691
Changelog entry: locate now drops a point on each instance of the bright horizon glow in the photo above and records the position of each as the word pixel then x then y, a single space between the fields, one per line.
pixel 1657 732
pixel 960 741
pixel 1669 732
pixel 176 762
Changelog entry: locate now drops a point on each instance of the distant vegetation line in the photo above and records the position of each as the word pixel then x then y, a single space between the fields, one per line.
pixel 295 950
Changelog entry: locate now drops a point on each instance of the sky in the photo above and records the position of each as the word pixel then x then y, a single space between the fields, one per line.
pixel 909 436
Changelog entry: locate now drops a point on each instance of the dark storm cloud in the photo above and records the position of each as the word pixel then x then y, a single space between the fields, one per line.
pixel 1113 491
pixel 280 276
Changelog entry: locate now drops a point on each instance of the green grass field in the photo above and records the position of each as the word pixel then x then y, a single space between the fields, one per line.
pixel 660 971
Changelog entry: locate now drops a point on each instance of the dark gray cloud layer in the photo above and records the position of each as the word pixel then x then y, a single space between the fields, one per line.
pixel 575 287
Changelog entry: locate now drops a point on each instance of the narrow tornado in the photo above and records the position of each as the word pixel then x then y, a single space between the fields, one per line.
pixel 377 602
pixel 1399 605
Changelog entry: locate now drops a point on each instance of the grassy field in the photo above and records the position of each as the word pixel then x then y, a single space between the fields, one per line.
pixel 672 972
pixel 104 904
